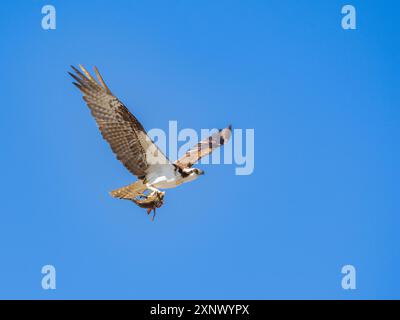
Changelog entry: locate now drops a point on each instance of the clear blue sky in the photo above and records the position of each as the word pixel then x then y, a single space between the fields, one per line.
pixel 324 103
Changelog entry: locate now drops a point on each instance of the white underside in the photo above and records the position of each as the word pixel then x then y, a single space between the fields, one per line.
pixel 166 177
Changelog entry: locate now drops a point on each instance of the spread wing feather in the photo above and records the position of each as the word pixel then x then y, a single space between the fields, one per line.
pixel 121 129
pixel 204 148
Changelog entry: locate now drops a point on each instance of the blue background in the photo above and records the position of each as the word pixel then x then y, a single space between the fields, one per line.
pixel 324 103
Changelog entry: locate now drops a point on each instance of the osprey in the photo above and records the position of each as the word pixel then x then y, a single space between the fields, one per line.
pixel 133 147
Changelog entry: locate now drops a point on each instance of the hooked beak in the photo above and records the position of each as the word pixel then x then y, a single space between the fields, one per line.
pixel 201 172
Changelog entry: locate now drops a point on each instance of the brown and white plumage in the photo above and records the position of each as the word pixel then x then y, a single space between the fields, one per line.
pixel 121 129
pixel 132 146
pixel 204 148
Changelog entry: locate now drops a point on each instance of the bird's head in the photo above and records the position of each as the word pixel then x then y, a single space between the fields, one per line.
pixel 193 173
pixel 197 172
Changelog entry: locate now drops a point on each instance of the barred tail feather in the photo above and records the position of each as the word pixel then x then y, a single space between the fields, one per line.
pixel 129 192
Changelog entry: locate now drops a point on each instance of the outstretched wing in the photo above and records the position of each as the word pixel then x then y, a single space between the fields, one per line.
pixel 125 134
pixel 204 148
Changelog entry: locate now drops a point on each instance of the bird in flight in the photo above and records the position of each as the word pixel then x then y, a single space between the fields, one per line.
pixel 133 147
